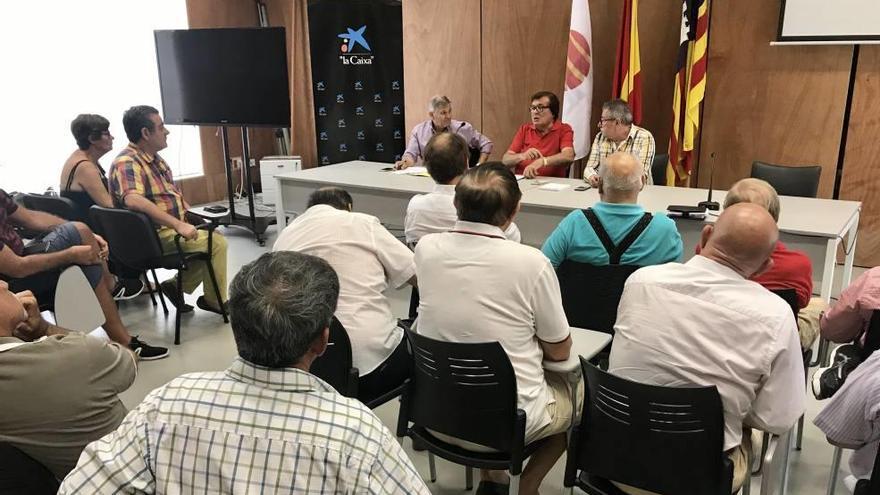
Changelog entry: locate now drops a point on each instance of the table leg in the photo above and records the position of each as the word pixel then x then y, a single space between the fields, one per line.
pixel 852 236
pixel 280 217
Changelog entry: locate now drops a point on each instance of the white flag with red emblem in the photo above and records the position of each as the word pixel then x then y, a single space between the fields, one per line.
pixel 578 99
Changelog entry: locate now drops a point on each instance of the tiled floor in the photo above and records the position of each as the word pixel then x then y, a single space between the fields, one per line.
pixel 207 344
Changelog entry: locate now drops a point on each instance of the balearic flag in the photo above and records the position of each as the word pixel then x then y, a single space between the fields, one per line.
pixel 690 88
pixel 578 99
pixel 627 82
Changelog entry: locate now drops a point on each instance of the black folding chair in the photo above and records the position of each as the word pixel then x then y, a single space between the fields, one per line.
pixel 56 205
pixel 335 365
pixel 591 293
pixel 21 474
pixel 789 181
pixel 790 296
pixel 662 439
pixel 135 244
pixel 466 391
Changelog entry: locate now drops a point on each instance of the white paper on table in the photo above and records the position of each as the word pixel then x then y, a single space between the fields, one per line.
pixel 554 186
pixel 411 171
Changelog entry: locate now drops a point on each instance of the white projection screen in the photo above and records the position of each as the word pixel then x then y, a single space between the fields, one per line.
pixel 832 21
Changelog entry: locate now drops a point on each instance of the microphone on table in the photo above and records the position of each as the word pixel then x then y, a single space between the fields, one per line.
pixel 709 204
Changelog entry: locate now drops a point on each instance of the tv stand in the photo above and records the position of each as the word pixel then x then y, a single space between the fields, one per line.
pixel 252 222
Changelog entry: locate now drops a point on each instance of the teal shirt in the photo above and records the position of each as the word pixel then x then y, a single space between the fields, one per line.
pixel 575 239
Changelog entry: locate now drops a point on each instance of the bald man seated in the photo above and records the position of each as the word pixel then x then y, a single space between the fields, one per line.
pixel 636 237
pixel 705 323
pixel 791 269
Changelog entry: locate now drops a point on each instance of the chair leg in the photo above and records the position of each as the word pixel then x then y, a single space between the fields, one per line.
pixel 747 485
pixel 835 466
pixel 146 280
pixel 161 296
pixel 177 310
pixel 217 292
pixel 765 439
pixel 468 478
pixel 514 484
pixel 432 467
pixel 800 433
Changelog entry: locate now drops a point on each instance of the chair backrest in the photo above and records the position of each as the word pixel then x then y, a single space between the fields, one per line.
pixel 467 391
pixel 662 439
pixel 789 181
pixel 20 473
pixel 56 205
pixel 872 336
pixel 335 365
pixel 601 286
pixel 790 297
pixel 658 169
pixel 132 238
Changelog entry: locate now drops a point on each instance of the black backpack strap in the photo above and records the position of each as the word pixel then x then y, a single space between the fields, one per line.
pixel 601 233
pixel 631 237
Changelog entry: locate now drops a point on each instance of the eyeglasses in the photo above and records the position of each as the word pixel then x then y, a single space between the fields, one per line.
pixel 538 108
pixel 602 120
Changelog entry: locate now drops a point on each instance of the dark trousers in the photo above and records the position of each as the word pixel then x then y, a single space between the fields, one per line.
pixel 21 474
pixel 388 376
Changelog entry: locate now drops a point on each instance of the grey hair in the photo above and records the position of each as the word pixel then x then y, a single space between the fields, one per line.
pixel 757 191
pixel 619 110
pixel 279 304
pixel 614 183
pixel 437 102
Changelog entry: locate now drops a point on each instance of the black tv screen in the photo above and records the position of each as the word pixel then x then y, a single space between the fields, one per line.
pixel 235 76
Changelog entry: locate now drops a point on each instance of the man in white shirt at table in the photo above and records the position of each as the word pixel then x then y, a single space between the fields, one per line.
pixel 368 260
pixel 446 158
pixel 704 323
pixel 477 286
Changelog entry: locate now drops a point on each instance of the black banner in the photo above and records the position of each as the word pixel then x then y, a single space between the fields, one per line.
pixel 357 73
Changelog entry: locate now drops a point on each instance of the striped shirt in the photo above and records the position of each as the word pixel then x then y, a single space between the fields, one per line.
pixel 138 172
pixel 249 429
pixel 640 143
pixel 852 416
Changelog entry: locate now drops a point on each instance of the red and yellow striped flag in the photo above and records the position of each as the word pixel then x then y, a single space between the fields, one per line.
pixel 690 89
pixel 627 82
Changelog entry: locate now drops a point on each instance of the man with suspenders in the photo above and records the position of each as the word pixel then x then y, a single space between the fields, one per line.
pixel 616 230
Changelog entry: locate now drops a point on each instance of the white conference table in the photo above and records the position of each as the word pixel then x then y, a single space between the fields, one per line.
pixel 815 226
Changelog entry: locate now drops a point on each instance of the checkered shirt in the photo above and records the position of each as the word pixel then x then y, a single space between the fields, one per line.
pixel 639 142
pixel 247 430
pixel 135 171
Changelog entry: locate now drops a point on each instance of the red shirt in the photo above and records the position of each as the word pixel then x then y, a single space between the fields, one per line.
pixel 559 136
pixel 790 270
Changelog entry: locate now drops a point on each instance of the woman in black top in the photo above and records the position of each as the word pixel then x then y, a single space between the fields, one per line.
pixel 83 180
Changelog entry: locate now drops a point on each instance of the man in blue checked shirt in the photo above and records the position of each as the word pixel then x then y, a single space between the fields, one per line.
pixel 265 425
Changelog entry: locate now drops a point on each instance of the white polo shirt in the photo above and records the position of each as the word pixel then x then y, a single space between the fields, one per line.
pixel 435 212
pixel 701 323
pixel 480 287
pixel 367 259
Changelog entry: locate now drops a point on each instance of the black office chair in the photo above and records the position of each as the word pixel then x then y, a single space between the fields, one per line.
pixel 591 293
pixel 658 169
pixel 22 474
pixel 56 205
pixel 789 181
pixel 662 439
pixel 335 365
pixel 135 244
pixel 466 391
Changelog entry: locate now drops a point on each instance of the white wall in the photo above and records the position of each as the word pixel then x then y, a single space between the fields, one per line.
pixel 838 18
pixel 61 58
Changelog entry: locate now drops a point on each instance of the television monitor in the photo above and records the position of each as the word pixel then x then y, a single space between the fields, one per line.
pixel 229 76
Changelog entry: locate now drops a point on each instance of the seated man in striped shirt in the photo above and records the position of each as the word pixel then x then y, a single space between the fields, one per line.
pixel 265 425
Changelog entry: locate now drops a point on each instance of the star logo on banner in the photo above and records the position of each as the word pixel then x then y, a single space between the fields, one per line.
pixel 353 37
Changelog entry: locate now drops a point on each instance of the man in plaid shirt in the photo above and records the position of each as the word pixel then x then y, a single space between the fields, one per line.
pixel 618 133
pixel 140 180
pixel 265 425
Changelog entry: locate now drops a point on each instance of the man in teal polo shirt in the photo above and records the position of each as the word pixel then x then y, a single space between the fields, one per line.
pixel 617 213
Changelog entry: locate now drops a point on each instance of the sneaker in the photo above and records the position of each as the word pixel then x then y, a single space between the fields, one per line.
pixel 169 289
pixel 844 358
pixel 145 351
pixel 128 289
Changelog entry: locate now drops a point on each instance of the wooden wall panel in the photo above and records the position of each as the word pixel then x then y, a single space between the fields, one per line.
pixel 441 55
pixel 861 175
pixel 524 46
pixel 779 104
